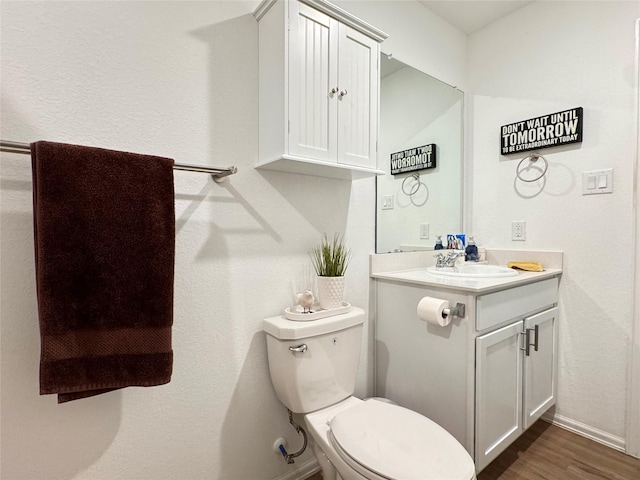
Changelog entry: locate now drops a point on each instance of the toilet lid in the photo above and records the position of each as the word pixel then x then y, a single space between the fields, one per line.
pixel 399 444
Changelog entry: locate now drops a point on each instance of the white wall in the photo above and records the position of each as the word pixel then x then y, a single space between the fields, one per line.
pixel 544 58
pixel 176 79
pixel 416 37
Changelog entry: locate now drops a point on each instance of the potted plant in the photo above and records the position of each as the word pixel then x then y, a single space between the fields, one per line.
pixel 330 260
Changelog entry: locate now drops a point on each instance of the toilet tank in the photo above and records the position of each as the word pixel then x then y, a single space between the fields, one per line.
pixel 314 364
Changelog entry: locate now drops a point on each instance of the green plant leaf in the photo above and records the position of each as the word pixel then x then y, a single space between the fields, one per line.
pixel 331 257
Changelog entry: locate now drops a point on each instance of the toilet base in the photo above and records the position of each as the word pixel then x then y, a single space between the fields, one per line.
pixel 328 470
pixel 328 458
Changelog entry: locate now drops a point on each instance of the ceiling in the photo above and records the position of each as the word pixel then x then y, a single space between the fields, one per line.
pixel 472 15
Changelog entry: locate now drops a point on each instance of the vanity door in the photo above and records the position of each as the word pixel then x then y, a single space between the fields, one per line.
pixel 540 365
pixel 498 392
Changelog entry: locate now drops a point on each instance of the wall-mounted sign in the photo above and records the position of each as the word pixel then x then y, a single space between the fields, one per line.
pixel 541 132
pixel 418 158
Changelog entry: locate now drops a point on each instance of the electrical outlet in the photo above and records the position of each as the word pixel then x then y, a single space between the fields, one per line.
pixel 518 231
pixel 424 231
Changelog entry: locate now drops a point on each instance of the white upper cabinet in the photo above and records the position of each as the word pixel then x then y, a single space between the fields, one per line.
pixel 318 88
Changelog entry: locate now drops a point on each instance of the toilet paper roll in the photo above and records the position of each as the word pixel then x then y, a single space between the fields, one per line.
pixel 432 310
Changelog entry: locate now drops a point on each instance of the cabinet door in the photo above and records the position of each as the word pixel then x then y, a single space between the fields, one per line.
pixel 357 98
pixel 498 392
pixel 540 365
pixel 313 73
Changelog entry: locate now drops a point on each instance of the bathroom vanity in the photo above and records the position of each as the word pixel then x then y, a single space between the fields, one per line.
pixel 485 377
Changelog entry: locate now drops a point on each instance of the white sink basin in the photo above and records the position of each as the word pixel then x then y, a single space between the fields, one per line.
pixel 473 271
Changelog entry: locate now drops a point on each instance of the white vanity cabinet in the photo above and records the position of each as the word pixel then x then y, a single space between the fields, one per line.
pixel 515 381
pixel 318 89
pixel 476 377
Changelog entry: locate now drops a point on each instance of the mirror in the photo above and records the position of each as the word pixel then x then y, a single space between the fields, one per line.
pixel 417 203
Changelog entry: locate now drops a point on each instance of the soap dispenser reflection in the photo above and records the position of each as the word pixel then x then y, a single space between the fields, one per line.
pixel 439 245
pixel 471 252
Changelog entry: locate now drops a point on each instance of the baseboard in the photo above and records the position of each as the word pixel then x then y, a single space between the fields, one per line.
pixel 591 433
pixel 303 471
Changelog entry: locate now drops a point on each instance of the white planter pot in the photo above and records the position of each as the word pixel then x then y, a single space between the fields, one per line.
pixel 330 292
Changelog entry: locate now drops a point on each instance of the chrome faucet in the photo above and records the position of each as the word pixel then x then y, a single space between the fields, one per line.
pixel 449 260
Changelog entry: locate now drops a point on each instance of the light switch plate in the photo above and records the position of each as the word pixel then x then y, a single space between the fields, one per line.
pixel 387 202
pixel 595 182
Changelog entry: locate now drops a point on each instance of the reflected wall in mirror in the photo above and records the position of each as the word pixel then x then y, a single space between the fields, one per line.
pixel 416 110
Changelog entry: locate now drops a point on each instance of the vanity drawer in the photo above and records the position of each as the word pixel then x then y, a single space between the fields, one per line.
pixel 499 307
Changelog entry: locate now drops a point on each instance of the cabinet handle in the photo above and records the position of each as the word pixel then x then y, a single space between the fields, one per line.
pixel 334 90
pixel 527 340
pixel 300 348
pixel 343 93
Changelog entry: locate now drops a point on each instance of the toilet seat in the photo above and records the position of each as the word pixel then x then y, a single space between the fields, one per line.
pixel 392 442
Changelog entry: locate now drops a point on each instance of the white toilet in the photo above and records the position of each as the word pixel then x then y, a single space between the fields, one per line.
pixel 313 369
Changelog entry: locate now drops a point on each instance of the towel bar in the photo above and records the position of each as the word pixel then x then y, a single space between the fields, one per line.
pixel 218 174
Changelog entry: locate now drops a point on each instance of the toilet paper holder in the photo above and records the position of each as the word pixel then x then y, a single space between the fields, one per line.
pixel 457 311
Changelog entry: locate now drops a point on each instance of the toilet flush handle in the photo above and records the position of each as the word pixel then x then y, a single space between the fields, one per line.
pixel 300 348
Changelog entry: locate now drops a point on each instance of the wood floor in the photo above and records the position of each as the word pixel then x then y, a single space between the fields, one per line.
pixel 547 452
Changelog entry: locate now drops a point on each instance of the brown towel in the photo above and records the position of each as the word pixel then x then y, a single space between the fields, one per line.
pixel 104 227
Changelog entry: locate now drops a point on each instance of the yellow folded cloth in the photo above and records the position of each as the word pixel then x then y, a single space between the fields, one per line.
pixel 528 266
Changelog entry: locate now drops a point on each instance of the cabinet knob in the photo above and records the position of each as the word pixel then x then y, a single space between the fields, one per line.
pixel 334 90
pixel 342 93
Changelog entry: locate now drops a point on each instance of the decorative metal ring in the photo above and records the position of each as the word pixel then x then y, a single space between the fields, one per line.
pixel 414 188
pixel 533 158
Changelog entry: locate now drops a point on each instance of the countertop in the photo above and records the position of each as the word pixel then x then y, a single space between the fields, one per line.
pixel 420 276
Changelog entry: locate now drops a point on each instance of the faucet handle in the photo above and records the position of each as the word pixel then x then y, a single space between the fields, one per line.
pixel 452 256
